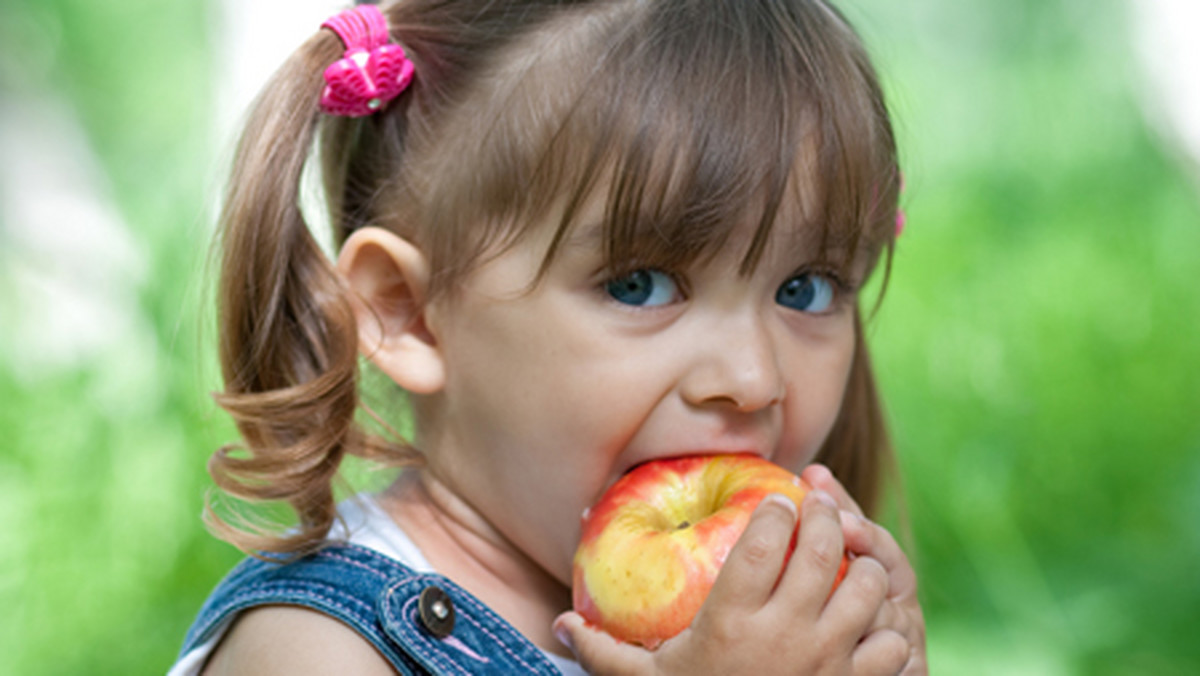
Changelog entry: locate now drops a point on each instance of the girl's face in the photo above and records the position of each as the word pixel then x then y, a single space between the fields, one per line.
pixel 554 390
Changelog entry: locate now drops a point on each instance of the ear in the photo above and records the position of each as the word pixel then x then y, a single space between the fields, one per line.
pixel 388 278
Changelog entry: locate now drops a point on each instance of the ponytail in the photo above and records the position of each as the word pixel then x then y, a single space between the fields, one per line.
pixel 288 338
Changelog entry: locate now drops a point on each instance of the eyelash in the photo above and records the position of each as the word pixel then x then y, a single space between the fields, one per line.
pixel 606 285
pixel 842 290
pixel 840 285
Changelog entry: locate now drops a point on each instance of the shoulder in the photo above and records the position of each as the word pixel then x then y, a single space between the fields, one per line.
pixel 282 639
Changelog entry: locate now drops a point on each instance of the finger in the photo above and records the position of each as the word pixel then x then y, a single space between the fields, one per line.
pixel 858 605
pixel 881 653
pixel 596 651
pixel 888 617
pixel 753 566
pixel 821 478
pixel 809 576
pixel 866 538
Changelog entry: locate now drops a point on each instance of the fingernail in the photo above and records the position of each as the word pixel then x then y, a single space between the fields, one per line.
pixel 852 520
pixel 820 470
pixel 783 501
pixel 563 636
pixel 825 498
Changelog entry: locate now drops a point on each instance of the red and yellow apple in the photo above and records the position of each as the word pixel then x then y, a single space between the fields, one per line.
pixel 652 546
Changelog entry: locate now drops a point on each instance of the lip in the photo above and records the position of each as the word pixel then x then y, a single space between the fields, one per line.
pixel 693 454
pixel 671 456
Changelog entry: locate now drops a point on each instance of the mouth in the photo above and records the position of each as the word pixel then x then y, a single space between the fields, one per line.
pixel 690 454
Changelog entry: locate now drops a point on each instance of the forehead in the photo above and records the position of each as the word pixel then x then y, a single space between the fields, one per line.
pixel 665 221
pixel 794 226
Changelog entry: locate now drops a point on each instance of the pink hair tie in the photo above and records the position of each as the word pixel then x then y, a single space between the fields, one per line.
pixel 371 72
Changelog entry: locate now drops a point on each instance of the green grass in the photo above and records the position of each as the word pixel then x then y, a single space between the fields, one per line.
pixel 1039 348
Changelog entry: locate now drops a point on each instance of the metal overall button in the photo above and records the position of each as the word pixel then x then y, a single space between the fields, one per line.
pixel 436 611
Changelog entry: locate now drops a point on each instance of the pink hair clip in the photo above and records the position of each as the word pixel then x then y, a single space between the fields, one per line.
pixel 901 217
pixel 371 72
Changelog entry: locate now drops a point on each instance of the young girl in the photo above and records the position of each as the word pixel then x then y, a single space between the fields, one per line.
pixel 578 236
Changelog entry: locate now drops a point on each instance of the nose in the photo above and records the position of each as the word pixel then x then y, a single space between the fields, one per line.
pixel 735 363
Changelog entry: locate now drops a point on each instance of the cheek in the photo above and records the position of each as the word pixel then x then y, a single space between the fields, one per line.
pixel 815 397
pixel 538 418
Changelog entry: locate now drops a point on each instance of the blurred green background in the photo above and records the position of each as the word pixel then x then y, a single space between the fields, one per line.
pixel 1039 345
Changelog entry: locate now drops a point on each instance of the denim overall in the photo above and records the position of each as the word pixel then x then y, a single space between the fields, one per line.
pixel 422 623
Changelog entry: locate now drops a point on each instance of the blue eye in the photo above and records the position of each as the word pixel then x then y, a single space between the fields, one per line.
pixel 643 288
pixel 806 293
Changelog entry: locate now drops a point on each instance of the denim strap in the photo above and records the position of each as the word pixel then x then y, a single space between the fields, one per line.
pixel 378 597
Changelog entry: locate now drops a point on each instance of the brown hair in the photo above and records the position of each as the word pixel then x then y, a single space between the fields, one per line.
pixel 687 117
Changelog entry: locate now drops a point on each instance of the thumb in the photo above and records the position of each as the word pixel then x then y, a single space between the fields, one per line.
pixel 596 651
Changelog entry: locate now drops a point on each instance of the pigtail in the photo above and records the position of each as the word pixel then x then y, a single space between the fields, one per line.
pixel 288 338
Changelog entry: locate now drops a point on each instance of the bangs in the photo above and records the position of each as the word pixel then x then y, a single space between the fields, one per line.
pixel 689 121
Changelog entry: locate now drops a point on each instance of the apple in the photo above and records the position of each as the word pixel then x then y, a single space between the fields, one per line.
pixel 652 546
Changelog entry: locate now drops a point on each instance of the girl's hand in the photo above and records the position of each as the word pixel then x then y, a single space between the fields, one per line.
pixel 901 610
pixel 766 618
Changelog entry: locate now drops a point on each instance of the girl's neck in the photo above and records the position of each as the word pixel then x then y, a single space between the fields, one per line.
pixel 460 544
